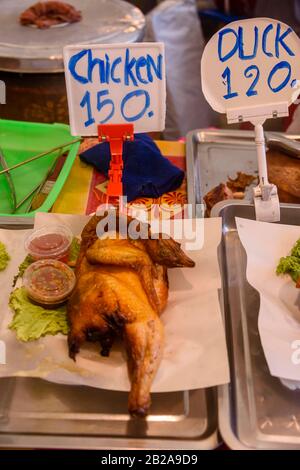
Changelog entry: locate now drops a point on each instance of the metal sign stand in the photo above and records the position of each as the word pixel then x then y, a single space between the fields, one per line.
pixel 265 194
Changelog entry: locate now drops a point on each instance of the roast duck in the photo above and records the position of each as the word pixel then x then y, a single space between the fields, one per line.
pixel 121 290
pixel 283 171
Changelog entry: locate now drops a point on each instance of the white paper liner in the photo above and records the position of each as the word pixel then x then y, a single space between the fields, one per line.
pixel 195 353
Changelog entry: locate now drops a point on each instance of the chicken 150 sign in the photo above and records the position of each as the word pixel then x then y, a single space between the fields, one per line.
pixel 251 63
pixel 115 84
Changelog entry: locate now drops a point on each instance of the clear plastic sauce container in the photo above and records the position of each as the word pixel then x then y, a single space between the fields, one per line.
pixel 49 282
pixel 52 242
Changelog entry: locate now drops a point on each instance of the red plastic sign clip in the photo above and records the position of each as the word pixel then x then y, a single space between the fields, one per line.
pixel 115 134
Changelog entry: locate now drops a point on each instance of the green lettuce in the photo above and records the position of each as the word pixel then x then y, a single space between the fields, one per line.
pixel 22 268
pixel 31 322
pixel 291 264
pixel 4 257
pixel 296 249
pixel 74 251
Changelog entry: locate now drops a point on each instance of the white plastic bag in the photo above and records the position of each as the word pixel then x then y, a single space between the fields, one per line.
pixel 176 23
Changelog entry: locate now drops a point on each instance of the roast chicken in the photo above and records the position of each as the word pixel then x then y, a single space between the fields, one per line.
pixel 121 290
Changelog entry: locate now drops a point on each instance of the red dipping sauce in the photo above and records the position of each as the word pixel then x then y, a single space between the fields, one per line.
pixel 51 242
pixel 49 282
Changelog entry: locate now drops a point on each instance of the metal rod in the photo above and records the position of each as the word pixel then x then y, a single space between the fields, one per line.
pixel 9 180
pixel 27 196
pixel 40 155
pixel 261 154
pixel 39 186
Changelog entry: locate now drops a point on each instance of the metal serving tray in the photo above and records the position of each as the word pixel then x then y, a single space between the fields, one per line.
pixel 255 411
pixel 39 414
pixel 214 155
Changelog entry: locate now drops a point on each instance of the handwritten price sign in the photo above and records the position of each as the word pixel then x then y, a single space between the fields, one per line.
pixel 251 63
pixel 114 84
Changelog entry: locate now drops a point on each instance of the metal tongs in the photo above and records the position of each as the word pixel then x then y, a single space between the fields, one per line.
pixel 7 172
pixel 287 145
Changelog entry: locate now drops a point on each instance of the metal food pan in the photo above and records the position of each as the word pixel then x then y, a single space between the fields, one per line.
pixel 214 155
pixel 255 410
pixel 38 414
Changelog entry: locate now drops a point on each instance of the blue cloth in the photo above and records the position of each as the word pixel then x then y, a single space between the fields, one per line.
pixel 146 173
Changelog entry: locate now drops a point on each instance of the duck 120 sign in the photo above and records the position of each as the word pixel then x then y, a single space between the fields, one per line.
pixel 254 63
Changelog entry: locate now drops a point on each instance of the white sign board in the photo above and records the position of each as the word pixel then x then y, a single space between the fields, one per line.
pixel 253 67
pixel 115 84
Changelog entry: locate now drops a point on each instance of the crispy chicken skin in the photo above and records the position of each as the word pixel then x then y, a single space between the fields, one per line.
pixel 121 289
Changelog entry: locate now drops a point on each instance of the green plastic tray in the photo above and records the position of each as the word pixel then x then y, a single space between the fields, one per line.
pixel 22 140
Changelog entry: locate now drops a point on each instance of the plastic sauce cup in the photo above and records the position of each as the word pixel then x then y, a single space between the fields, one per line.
pixel 51 242
pixel 49 282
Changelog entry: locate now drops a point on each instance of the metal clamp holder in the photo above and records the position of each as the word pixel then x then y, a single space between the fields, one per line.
pixel 265 195
pixel 116 135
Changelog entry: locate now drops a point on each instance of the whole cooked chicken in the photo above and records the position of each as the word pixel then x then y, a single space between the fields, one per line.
pixel 121 289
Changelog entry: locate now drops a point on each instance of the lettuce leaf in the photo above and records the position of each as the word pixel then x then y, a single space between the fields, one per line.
pixel 291 264
pixel 31 322
pixel 4 257
pixel 74 251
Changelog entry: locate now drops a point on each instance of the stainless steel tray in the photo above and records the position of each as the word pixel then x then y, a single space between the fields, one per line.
pixel 26 50
pixel 39 414
pixel 214 155
pixel 255 411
